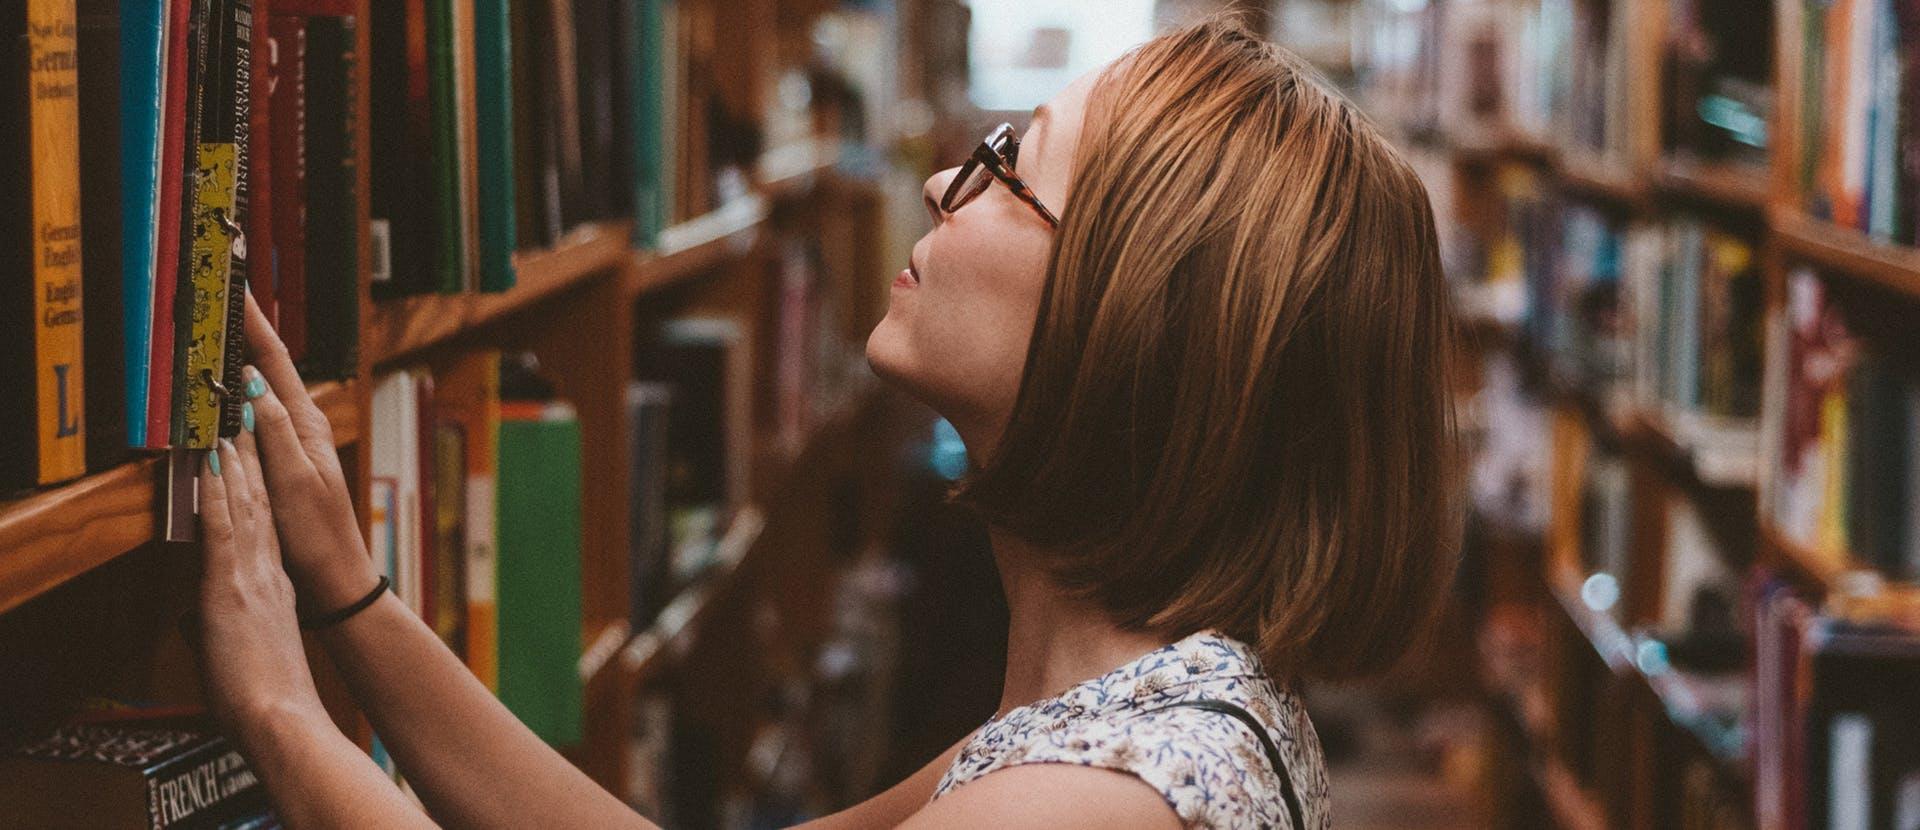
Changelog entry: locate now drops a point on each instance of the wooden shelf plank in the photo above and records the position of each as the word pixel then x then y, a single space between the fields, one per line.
pixel 698 245
pixel 53 536
pixel 1817 569
pixel 1848 253
pixel 786 172
pixel 399 327
pixel 1589 177
pixel 1732 184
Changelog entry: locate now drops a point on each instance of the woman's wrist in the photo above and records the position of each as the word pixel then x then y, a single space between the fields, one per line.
pixel 337 587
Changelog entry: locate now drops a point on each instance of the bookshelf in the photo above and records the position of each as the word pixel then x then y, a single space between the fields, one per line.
pixel 581 305
pixel 1708 141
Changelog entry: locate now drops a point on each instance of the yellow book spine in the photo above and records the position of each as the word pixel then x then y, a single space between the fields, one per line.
pixel 211 265
pixel 54 111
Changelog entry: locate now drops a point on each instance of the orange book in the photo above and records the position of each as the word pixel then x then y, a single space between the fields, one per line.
pixel 467 393
pixel 53 119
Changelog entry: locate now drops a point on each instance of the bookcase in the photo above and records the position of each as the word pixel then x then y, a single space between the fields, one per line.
pixel 91 601
pixel 1660 216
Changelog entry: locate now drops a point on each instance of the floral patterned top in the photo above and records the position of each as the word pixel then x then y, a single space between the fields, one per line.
pixel 1208 766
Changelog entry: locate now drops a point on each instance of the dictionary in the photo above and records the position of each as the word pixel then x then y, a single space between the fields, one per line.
pixel 118 773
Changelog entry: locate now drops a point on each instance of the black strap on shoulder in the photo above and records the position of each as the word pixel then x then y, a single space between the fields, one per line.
pixel 1274 758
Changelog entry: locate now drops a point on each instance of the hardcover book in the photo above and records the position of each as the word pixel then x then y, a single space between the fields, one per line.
pixel 151 774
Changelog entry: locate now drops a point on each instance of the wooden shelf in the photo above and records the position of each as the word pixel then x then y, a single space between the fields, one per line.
pixel 1742 186
pixel 1850 253
pixel 788 171
pixel 399 327
pixel 1593 179
pixel 1810 566
pixel 650 650
pixel 698 245
pixel 55 535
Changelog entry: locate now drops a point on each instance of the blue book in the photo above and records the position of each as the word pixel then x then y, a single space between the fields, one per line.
pixel 142 79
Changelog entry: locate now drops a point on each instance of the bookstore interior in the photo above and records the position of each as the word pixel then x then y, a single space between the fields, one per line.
pixel 583 288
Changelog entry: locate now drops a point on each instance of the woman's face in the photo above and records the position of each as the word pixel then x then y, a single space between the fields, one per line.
pixel 961 310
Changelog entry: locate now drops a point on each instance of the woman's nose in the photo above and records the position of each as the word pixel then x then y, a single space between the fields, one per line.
pixel 936 187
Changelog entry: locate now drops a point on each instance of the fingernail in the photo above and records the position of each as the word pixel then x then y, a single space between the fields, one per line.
pixel 256 386
pixel 213 461
pixel 246 416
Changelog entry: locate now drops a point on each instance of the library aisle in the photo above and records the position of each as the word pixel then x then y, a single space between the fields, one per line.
pixel 583 287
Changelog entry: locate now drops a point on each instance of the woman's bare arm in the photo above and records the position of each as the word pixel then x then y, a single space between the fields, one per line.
pixel 470 760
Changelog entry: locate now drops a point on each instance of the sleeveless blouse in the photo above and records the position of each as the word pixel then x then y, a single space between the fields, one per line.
pixel 1209 766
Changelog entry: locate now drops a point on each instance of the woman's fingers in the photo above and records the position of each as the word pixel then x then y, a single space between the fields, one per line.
pixel 280 443
pixel 242 508
pixel 269 353
pixel 247 449
pixel 216 518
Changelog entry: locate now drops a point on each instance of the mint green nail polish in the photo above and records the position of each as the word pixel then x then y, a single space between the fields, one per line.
pixel 213 461
pixel 246 416
pixel 256 386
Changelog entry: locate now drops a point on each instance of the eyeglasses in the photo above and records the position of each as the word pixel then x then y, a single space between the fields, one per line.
pixel 993 159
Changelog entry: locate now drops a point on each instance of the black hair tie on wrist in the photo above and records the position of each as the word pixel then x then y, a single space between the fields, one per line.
pixel 324 620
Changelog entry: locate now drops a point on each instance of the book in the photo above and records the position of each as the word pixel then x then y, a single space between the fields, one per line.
pixel 467 396
pixel 404 177
pixel 539 567
pixel 649 582
pixel 43 423
pixel 123 773
pixel 102 282
pixel 144 33
pixel 185 23
pixel 216 272
pixel 332 266
pixel 448 254
pixel 262 274
pixel 287 156
pixel 495 113
pixel 707 362
pixel 395 448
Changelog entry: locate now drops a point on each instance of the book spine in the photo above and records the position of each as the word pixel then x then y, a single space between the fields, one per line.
pixel 202 788
pixel 143 73
pixel 647 86
pixel 444 155
pixel 539 587
pixel 214 235
pixel 469 397
pixel 466 145
pixel 263 279
pixel 287 128
pixel 102 281
pixel 53 118
pixel 332 241
pixel 240 89
pixel 183 23
pixel 493 82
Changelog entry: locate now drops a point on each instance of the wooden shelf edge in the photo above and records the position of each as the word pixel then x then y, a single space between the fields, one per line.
pixel 649 651
pixel 399 327
pixel 51 537
pixel 785 172
pixel 1848 252
pixel 698 245
pixel 1733 184
pixel 1800 561
pixel 1595 179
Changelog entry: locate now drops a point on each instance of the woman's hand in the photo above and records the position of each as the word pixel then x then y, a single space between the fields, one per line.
pixel 248 636
pixel 325 555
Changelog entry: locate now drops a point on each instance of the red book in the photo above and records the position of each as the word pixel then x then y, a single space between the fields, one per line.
pixel 428 526
pixel 173 165
pixel 262 258
pixel 287 146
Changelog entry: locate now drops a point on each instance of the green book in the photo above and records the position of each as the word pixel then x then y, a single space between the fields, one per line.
pixel 445 119
pixel 493 69
pixel 538 527
pixel 647 86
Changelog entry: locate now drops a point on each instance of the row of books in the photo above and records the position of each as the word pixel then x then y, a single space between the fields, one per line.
pixel 1660 316
pixel 1857 165
pixel 1844 446
pixel 1835 744
pixel 475 514
pixel 166 156
pixel 502 124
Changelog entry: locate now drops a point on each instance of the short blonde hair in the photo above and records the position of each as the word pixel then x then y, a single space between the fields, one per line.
pixel 1235 411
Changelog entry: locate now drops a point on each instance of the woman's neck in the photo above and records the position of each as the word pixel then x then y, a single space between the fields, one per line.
pixel 1054 640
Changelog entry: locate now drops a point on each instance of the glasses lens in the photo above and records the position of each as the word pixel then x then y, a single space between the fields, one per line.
pixel 976 182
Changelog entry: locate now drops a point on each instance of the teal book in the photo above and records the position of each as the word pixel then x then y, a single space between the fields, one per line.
pixel 538 528
pixel 493 71
pixel 647 86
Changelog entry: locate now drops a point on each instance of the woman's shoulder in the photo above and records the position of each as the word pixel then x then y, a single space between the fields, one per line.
pixel 1169 720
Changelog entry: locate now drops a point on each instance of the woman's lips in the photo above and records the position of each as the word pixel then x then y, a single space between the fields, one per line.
pixel 909 276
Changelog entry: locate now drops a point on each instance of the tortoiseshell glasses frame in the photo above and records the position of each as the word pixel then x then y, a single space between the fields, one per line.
pixel 993 159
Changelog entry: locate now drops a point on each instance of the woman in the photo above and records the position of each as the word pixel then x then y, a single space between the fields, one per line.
pixel 1193 330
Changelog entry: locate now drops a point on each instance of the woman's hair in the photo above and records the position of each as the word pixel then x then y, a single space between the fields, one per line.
pixel 1235 410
